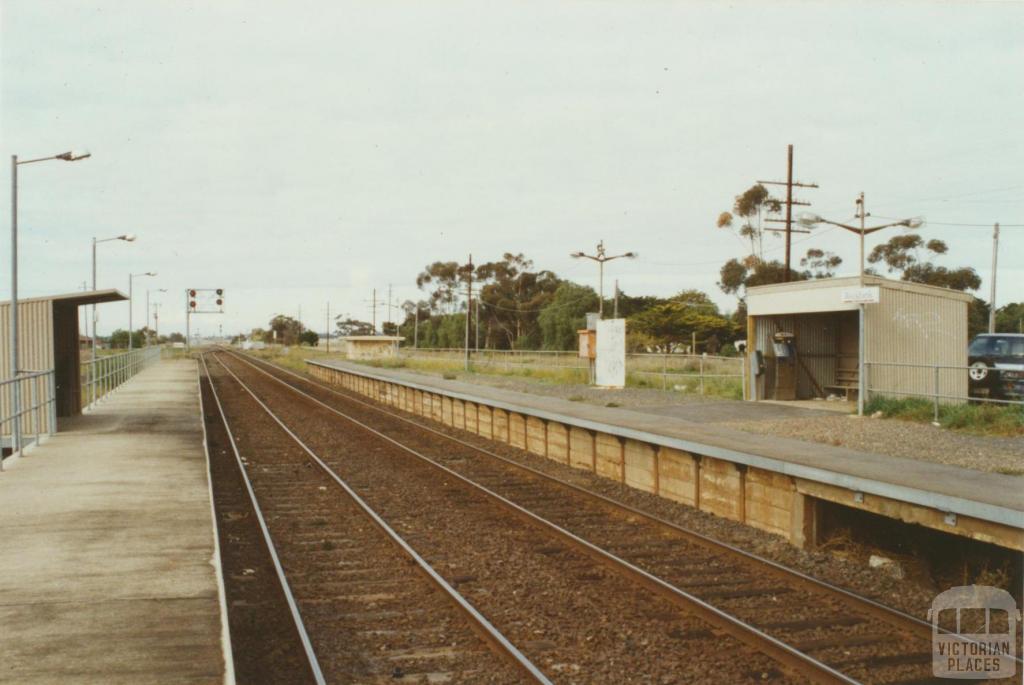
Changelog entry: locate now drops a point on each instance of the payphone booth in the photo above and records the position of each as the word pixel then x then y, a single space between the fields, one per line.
pixel 784 346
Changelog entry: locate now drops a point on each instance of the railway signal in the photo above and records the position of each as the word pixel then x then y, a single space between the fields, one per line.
pixel 201 301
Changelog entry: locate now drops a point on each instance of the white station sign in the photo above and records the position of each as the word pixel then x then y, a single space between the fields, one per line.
pixel 869 295
pixel 610 365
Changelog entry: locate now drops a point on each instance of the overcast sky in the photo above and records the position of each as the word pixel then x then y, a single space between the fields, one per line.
pixel 300 152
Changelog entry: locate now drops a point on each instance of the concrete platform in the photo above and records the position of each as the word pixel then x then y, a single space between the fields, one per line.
pixel 990 506
pixel 109 571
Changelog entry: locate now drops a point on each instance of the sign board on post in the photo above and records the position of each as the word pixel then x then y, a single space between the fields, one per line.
pixel 611 353
pixel 586 343
pixel 868 295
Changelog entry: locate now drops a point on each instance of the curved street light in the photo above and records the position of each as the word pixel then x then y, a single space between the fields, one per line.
pixel 149 313
pixel 126 237
pixel 131 308
pixel 72 156
pixel 601 257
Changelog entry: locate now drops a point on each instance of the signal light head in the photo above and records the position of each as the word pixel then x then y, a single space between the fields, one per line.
pixel 192 293
pixel 192 304
pixel 220 291
pixel 220 302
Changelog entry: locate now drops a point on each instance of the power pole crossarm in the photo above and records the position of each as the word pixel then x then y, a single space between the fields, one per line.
pixel 789 202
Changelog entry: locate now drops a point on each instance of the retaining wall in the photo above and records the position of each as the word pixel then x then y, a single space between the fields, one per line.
pixel 768 500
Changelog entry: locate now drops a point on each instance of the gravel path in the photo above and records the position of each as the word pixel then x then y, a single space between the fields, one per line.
pixel 890 437
pixel 901 439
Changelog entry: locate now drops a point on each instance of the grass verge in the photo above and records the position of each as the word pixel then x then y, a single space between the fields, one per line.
pixel 979 419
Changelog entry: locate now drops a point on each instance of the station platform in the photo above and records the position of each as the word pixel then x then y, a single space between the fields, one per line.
pixel 739 475
pixel 109 570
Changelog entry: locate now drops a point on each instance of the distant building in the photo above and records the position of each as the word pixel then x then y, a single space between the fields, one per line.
pixel 371 346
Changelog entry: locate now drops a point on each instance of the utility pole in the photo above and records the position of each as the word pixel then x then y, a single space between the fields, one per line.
pixel 995 263
pixel 615 307
pixel 156 321
pixel 789 230
pixel 477 325
pixel 85 318
pixel 188 322
pixel 469 305
pixel 389 303
pixel 862 214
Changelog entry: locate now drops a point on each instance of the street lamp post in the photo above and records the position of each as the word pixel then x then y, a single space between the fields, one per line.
pixel 811 220
pixel 601 258
pixel 131 307
pixel 128 238
pixel 149 312
pixel 72 156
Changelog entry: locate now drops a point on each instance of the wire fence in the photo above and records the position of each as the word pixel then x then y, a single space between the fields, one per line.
pixel 703 374
pixel 103 374
pixel 945 384
pixel 37 414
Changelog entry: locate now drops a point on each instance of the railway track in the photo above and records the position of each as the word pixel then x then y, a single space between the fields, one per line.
pixel 367 608
pixel 855 638
pixel 574 611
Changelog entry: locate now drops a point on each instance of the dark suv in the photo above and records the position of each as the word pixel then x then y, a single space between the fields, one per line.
pixel 997 366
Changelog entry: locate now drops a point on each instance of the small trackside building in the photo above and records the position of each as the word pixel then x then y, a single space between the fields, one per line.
pixel 805 339
pixel 371 346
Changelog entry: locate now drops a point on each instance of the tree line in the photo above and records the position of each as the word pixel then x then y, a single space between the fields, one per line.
pixel 516 306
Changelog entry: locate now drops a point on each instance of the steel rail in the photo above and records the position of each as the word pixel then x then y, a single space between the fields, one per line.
pixel 307 645
pixel 781 652
pixel 481 625
pixel 894 617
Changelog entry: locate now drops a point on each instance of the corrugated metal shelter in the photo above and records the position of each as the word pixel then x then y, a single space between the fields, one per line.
pixel 371 346
pixel 910 324
pixel 48 338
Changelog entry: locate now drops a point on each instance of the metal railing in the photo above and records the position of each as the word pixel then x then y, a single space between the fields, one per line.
pixel 675 371
pixel 103 374
pixel 939 383
pixel 38 413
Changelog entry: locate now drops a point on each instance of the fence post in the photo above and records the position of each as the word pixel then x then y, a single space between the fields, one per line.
pixel 33 396
pixel 53 403
pixel 936 394
pixel 702 374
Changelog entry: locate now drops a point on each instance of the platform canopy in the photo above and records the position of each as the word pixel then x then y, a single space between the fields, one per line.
pixel 75 299
pixel 48 338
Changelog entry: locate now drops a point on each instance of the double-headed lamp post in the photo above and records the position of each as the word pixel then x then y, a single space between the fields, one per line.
pixel 812 220
pixel 128 238
pixel 601 258
pixel 72 156
pixel 131 304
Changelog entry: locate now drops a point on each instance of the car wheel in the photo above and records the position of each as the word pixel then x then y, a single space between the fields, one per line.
pixel 978 371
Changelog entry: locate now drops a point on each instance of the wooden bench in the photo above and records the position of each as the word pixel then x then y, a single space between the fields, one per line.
pixel 847 382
